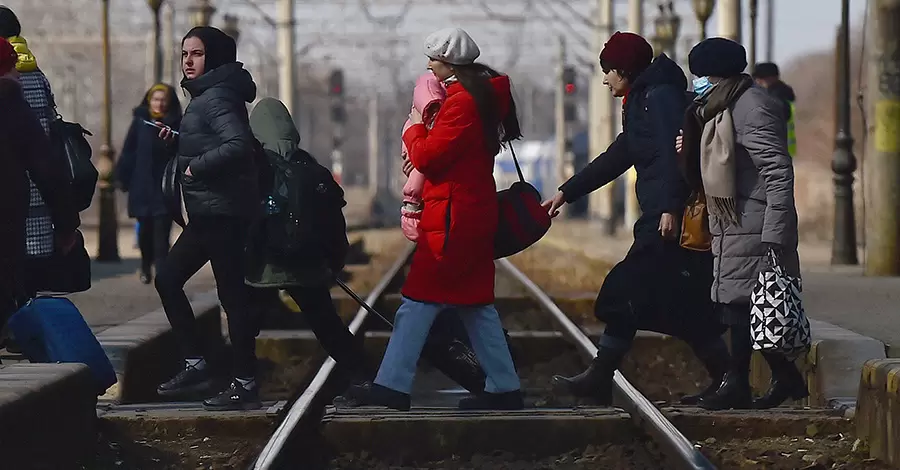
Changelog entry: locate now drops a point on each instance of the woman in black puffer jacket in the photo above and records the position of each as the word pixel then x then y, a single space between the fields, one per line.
pixel 219 183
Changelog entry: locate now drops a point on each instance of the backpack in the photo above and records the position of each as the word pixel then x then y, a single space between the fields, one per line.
pixel 304 204
pixel 522 220
pixel 69 143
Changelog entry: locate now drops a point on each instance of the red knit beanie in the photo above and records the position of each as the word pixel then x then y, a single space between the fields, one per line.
pixel 8 56
pixel 627 52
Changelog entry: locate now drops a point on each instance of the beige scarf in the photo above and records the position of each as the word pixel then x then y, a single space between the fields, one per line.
pixel 717 166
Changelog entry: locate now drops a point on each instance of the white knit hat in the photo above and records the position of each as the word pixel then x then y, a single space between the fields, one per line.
pixel 453 46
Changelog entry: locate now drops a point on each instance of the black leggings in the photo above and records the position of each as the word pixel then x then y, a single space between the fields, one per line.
pixel 220 241
pixel 320 314
pixel 153 241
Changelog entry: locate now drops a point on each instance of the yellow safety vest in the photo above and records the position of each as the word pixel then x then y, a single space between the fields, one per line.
pixel 791 132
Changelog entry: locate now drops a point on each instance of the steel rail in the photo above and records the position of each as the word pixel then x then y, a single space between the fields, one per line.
pixel 303 405
pixel 673 443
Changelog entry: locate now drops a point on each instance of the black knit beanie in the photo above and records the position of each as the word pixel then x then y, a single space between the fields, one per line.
pixel 717 57
pixel 220 47
pixel 9 23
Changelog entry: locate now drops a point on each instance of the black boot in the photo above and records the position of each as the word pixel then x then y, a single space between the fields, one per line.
pixel 369 394
pixel 734 393
pixel 493 401
pixel 787 383
pixel 596 381
pixel 715 359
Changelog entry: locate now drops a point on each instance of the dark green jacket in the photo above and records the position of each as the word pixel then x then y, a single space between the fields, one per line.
pixel 274 128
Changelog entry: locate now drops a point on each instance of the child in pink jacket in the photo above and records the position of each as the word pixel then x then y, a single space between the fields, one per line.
pixel 428 96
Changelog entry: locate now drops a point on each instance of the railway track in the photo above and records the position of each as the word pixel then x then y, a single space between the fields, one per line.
pixel 313 434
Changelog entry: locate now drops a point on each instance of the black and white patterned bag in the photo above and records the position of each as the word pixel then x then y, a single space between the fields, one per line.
pixel 778 323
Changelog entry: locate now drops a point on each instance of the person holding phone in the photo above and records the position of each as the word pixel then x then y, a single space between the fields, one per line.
pixel 140 173
pixel 221 196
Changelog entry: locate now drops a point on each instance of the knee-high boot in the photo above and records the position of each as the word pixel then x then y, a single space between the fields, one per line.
pixel 787 382
pixel 717 360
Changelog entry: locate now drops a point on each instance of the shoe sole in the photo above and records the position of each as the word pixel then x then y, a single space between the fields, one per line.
pixel 198 388
pixel 240 407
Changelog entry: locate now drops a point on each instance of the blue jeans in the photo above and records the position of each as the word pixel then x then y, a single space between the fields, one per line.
pixel 411 326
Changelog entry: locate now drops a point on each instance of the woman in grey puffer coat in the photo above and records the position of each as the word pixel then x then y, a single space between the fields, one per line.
pixel 742 164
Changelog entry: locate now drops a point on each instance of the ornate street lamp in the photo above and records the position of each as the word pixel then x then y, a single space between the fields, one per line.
pixel 703 9
pixel 201 12
pixel 108 236
pixel 155 6
pixel 231 27
pixel 666 28
pixel 843 163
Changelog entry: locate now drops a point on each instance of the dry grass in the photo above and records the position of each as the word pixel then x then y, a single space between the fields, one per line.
pixel 560 272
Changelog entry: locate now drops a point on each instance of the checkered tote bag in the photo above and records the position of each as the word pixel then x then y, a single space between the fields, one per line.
pixel 777 321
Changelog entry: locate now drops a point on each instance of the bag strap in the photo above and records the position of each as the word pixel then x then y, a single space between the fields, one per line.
pixel 516 162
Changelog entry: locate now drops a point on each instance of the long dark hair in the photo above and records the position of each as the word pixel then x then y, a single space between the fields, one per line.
pixel 475 78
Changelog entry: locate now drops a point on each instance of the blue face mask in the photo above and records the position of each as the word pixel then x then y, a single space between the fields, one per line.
pixel 702 85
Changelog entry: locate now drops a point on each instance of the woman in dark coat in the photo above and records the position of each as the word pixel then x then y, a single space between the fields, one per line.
pixel 221 195
pixel 140 174
pixel 659 286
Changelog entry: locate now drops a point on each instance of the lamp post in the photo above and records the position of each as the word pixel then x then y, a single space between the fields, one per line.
pixel 703 9
pixel 201 12
pixel 666 27
pixel 108 236
pixel 155 6
pixel 231 27
pixel 843 164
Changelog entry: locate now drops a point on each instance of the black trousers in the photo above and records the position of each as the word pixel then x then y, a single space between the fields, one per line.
pixel 220 241
pixel 322 317
pixel 153 241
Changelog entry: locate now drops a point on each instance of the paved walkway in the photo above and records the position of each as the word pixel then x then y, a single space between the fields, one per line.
pixel 838 295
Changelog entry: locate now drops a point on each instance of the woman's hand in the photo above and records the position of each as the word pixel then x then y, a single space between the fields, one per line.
pixel 552 205
pixel 166 132
pixel 415 117
pixel 188 172
pixel 679 141
pixel 667 226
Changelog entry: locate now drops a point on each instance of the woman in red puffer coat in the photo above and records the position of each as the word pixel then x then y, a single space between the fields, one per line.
pixel 453 266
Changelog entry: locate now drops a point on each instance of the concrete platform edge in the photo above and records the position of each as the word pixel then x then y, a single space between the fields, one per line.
pixel 144 352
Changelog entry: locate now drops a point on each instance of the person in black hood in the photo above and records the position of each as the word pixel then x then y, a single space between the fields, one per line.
pixel 659 286
pixel 220 189
pixel 140 173
pixel 767 75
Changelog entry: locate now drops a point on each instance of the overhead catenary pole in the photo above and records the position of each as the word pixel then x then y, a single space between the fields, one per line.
pixel 169 67
pixel 632 208
pixel 559 113
pixel 287 67
pixel 883 152
pixel 602 121
pixel 770 30
pixel 730 19
pixel 374 146
pixel 754 13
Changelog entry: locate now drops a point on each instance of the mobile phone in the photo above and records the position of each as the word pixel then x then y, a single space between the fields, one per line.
pixel 151 123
